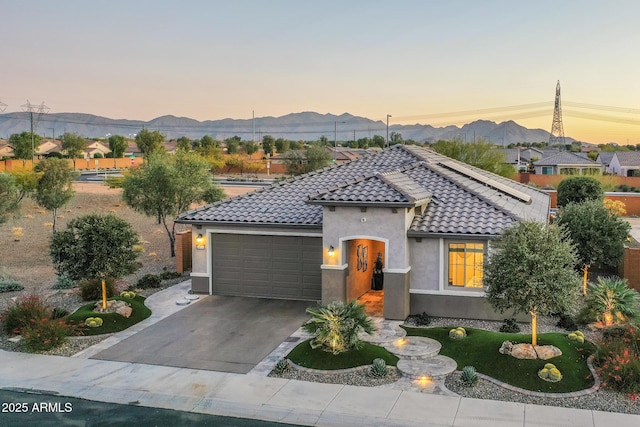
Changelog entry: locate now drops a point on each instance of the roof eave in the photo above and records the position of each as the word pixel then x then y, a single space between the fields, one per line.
pixel 250 224
pixel 364 204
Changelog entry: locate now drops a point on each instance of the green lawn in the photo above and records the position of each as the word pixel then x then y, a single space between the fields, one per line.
pixel 480 350
pixel 304 355
pixel 112 322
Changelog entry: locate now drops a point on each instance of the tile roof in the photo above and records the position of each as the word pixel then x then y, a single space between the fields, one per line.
pixel 628 158
pixel 461 199
pixel 565 158
pixel 605 157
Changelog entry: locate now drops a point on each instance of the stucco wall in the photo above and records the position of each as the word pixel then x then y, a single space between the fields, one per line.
pixel 459 307
pixel 347 223
pixel 425 264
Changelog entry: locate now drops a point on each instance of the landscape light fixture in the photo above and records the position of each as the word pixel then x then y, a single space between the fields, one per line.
pixel 332 250
pixel 200 241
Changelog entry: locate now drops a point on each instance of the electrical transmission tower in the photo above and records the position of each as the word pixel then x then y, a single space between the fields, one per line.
pixel 557 131
pixel 2 106
pixel 39 110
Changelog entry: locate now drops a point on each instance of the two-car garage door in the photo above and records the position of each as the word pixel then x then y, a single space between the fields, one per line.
pixel 267 266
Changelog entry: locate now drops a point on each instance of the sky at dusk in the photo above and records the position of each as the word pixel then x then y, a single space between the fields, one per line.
pixel 429 62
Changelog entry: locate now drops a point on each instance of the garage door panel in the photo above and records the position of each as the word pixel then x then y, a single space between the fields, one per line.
pixel 267 266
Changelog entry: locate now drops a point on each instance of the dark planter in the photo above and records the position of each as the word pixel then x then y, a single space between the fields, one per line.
pixel 377 282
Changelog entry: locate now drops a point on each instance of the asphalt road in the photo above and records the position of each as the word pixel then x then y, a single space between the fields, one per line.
pixel 29 409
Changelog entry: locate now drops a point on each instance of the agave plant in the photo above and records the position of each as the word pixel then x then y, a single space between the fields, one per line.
pixel 335 326
pixel 611 301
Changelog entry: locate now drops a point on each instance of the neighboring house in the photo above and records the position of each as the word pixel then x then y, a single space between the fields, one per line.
pixel 346 154
pixel 567 163
pixel 625 163
pixel 5 149
pixel 520 157
pixel 95 147
pixel 316 236
pixel 604 158
pixel 48 147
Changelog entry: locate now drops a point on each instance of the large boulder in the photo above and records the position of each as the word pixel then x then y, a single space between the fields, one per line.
pixel 546 352
pixel 524 351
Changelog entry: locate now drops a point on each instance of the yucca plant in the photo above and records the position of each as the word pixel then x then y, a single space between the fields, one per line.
pixel 611 301
pixel 335 326
pixel 378 368
pixel 469 376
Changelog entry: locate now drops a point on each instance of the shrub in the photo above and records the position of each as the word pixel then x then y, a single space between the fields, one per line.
pixel 45 334
pixel 611 301
pixel 378 368
pixel 335 326
pixel 566 322
pixel 617 359
pixel 422 319
pixel 282 366
pixel 59 313
pixel 64 282
pixel 91 290
pixel 25 311
pixel 510 326
pixel 469 376
pixel 167 275
pixel 577 189
pixel 7 284
pixel 149 281
pixel 458 333
pixel 10 286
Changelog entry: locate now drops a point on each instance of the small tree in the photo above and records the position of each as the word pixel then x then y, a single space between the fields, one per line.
pixel 26 181
pixel 149 142
pixel 95 246
pixel 599 235
pixel 23 145
pixel 54 188
pixel 118 145
pixel 480 154
pixel 531 270
pixel 74 145
pixel 9 194
pixel 164 186
pixel 184 143
pixel 578 189
pixel 268 143
pixel 298 162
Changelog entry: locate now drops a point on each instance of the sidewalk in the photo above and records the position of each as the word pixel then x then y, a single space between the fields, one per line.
pixel 270 399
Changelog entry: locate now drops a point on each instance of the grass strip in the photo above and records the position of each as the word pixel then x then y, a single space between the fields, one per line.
pixel 112 322
pixel 480 350
pixel 308 357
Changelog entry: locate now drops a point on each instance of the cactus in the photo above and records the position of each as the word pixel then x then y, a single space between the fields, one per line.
pixel 282 366
pixel 469 376
pixel 128 294
pixel 457 333
pixel 93 322
pixel 378 368
pixel 550 373
pixel 577 336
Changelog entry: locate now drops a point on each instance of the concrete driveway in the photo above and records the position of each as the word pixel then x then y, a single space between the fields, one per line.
pixel 219 333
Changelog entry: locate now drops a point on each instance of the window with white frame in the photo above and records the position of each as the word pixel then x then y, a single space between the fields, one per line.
pixel 465 262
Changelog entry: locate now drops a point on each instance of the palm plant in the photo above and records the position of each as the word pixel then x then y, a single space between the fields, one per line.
pixel 335 326
pixel 612 301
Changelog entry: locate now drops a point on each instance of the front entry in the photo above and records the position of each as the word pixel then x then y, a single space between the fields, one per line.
pixel 365 279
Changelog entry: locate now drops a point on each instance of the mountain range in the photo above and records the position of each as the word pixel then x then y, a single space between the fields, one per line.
pixel 305 126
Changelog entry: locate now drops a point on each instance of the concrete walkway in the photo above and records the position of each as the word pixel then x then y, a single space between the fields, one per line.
pixel 272 399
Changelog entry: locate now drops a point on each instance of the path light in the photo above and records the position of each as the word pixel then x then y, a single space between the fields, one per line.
pixel 200 241
pixel 424 381
pixel 332 250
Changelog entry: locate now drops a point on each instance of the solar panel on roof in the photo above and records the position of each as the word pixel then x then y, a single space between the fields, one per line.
pixel 487 181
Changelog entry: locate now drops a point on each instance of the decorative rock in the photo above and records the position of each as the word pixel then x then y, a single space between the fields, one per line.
pixel 124 311
pixel 114 306
pixel 523 351
pixel 546 352
pixel 192 297
pixel 15 339
pixel 506 348
pixel 183 302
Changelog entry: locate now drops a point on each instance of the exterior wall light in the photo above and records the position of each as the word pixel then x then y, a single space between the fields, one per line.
pixel 332 250
pixel 200 241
